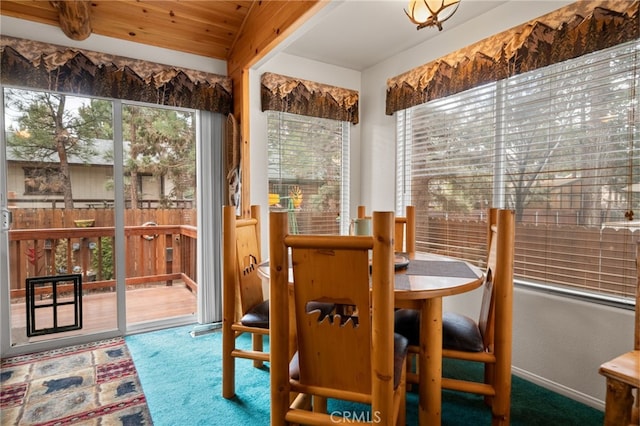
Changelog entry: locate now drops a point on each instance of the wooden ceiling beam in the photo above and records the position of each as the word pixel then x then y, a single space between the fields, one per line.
pixel 74 18
pixel 267 24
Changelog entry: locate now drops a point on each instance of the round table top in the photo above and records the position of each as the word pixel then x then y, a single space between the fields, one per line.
pixel 426 276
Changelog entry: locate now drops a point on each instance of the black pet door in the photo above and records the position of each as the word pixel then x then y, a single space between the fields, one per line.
pixel 54 304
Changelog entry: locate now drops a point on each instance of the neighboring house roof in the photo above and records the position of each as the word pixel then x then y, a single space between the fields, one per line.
pixel 103 155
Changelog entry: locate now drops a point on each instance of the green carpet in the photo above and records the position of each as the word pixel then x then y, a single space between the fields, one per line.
pixel 181 378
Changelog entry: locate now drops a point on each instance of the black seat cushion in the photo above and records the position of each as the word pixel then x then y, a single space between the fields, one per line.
pixel 258 316
pixel 407 323
pixel 400 346
pixel 459 332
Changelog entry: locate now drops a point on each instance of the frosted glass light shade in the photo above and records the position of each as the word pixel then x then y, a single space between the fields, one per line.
pixel 428 13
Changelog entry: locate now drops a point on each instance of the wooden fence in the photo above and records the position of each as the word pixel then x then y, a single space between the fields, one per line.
pixel 160 247
pixel 31 218
pixel 602 260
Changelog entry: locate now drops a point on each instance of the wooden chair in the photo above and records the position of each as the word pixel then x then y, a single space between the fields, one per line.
pixel 357 357
pixel 623 376
pixel 488 340
pixel 244 309
pixel 405 229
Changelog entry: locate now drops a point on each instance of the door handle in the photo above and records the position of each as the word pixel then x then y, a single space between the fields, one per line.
pixel 7 217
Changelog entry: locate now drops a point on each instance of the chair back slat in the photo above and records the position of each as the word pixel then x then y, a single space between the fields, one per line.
pixel 248 258
pixel 498 276
pixel 486 317
pixel 405 229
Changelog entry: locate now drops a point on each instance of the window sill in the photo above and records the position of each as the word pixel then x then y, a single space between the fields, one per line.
pixel 583 295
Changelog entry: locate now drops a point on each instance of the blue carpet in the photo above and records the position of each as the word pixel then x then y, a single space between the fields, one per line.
pixel 182 381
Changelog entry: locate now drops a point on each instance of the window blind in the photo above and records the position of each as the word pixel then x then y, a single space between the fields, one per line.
pixel 309 156
pixel 559 145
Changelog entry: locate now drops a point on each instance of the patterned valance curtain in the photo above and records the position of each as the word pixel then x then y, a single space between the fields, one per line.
pixel 577 29
pixel 46 66
pixel 297 96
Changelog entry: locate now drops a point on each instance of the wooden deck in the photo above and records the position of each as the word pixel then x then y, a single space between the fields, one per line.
pixel 100 311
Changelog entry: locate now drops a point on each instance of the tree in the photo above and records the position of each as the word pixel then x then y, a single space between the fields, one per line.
pixel 49 128
pixel 160 143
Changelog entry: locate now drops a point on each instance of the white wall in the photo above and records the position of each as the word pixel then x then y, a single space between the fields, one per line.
pixel 558 342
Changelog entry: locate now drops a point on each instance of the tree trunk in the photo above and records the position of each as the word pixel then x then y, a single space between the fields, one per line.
pixel 62 139
pixel 133 189
pixel 64 172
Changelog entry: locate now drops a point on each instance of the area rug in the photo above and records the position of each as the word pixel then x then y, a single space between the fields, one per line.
pixel 90 384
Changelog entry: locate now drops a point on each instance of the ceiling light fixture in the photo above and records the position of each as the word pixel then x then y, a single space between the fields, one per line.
pixel 424 13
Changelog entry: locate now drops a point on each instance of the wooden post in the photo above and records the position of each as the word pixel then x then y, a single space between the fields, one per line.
pixel 362 212
pixel 619 400
pixel 229 271
pixel 383 276
pixel 75 18
pixel 168 260
pixel 503 315
pixel 410 230
pixel 256 339
pixel 279 316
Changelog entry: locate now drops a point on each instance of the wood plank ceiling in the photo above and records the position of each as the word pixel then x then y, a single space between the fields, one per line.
pixel 206 28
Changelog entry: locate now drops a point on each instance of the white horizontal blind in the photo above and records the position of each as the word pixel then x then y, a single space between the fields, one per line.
pixel 310 154
pixel 559 145
pixel 449 153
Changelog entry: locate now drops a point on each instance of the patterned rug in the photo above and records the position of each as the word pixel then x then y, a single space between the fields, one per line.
pixel 92 384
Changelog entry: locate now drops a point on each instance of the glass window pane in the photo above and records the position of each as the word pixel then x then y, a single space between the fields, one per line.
pixel 559 145
pixel 308 171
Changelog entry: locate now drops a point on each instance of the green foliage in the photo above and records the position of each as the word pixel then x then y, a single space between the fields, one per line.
pixel 161 142
pixel 104 251
pixel 61 256
pixel 101 257
pixel 54 130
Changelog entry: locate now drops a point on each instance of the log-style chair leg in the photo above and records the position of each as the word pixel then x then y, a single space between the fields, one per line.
pixel 618 402
pixel 258 347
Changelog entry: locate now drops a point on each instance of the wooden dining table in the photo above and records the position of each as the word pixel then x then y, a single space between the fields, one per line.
pixel 421 284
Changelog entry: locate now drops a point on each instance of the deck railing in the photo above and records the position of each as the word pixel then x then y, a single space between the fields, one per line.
pixel 155 255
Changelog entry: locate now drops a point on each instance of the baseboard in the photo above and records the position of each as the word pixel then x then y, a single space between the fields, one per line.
pixel 558 388
pixel 200 329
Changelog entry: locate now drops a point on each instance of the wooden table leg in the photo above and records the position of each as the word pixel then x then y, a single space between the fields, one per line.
pixel 430 366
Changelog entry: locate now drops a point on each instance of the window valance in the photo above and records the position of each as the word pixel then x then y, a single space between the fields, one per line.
pixel 577 29
pixel 37 65
pixel 297 96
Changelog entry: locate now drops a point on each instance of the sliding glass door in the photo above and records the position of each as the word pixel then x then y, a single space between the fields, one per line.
pixel 159 170
pixel 99 220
